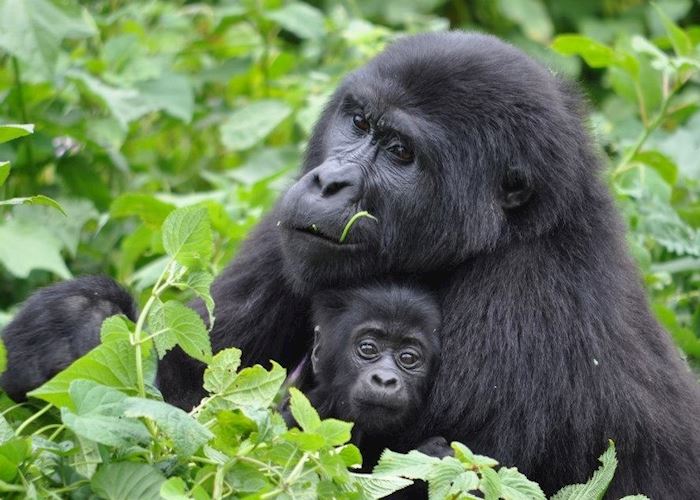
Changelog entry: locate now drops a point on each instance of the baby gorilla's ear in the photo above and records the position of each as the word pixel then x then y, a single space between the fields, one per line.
pixel 314 351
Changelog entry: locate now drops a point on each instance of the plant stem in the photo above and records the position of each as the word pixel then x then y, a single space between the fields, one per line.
pixel 33 418
pixel 218 483
pixel 22 107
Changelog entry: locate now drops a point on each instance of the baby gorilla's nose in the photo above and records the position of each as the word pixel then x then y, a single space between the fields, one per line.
pixel 385 380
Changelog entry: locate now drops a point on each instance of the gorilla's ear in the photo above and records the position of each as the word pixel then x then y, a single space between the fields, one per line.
pixel 314 350
pixel 515 189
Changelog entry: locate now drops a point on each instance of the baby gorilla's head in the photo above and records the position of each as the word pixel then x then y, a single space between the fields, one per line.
pixel 376 352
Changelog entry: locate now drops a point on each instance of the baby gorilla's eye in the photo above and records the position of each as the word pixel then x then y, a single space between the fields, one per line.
pixel 360 123
pixel 409 359
pixel 367 350
pixel 401 152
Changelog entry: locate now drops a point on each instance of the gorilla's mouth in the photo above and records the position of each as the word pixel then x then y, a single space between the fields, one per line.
pixel 317 233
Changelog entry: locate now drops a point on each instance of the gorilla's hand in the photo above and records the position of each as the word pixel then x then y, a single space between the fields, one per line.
pixel 436 446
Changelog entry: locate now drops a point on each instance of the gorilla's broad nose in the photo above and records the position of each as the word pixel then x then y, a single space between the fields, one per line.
pixel 385 380
pixel 333 179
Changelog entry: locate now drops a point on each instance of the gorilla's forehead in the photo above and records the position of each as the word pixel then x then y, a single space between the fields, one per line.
pixel 440 76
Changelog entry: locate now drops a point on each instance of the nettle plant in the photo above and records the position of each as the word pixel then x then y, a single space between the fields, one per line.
pixel 105 429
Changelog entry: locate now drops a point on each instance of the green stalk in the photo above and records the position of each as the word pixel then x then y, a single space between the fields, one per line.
pixel 352 221
pixel 22 107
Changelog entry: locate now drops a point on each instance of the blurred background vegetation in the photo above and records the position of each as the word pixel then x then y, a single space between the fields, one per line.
pixel 143 106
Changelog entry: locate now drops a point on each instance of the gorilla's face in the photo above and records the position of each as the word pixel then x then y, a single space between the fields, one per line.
pixel 441 144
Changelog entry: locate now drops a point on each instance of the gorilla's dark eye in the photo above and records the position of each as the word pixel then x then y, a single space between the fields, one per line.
pixel 360 122
pixel 367 350
pixel 401 152
pixel 409 359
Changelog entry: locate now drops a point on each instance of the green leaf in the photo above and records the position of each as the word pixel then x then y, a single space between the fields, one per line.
pixel 172 93
pixel 128 481
pixel 335 432
pixel 185 432
pixel 467 457
pixel 635 497
pixel 304 414
pixel 491 484
pixel 4 171
pixel 111 364
pixel 38 199
pixel 187 236
pixel 116 328
pixel 442 476
pixel 306 441
pixel 220 375
pixel 28 247
pixel 174 489
pixel 173 323
pixel 350 455
pixel 596 487
pixel 250 124
pixel 200 283
pixel 663 165
pixel 12 454
pixel 32 30
pixel 149 209
pixel 414 464
pixel 99 415
pixel 596 54
pixel 515 486
pixel 531 16
pixel 680 40
pixel 256 387
pixel 379 486
pixel 301 19
pixel 13 131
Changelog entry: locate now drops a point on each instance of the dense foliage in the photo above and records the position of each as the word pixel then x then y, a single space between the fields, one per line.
pixel 164 129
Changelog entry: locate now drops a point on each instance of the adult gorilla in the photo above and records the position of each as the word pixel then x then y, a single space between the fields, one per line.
pixel 477 165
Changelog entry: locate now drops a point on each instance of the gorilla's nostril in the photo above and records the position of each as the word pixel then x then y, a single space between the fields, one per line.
pixel 333 187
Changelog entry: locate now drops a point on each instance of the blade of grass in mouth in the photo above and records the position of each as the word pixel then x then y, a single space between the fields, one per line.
pixel 352 221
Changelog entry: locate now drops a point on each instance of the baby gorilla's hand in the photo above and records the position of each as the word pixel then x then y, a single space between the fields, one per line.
pixel 436 446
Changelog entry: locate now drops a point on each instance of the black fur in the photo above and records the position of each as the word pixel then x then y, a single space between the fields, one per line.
pixel 549 346
pixel 57 325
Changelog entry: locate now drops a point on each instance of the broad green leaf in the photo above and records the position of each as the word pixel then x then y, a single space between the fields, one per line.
pixel 684 337
pixel 200 283
pixel 596 54
pixel 173 323
pixel 443 475
pixel 350 454
pixel 306 441
pixel 659 162
pixel 111 364
pixel 172 93
pixel 301 19
pixel 149 209
pixel 635 497
pixel 28 247
pixel 335 432
pixel 12 454
pixel 220 375
pixel 99 415
pixel 464 483
pixel 596 487
pixel 414 464
pixel 375 487
pixel 38 199
pixel 87 457
pixel 250 124
pixel 257 387
pixel 125 104
pixel 13 131
pixel 491 484
pixel 174 488
pixel 185 432
pixel 128 481
pixel 680 40
pixel 6 431
pixel 187 236
pixel 467 457
pixel 32 30
pixel 515 486
pixel 304 414
pixel 116 328
pixel 4 171
pixel 531 16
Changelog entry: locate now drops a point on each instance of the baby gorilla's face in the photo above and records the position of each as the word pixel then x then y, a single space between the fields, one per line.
pixel 391 364
pixel 376 353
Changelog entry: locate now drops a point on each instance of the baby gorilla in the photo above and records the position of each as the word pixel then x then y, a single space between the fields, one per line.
pixel 375 355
